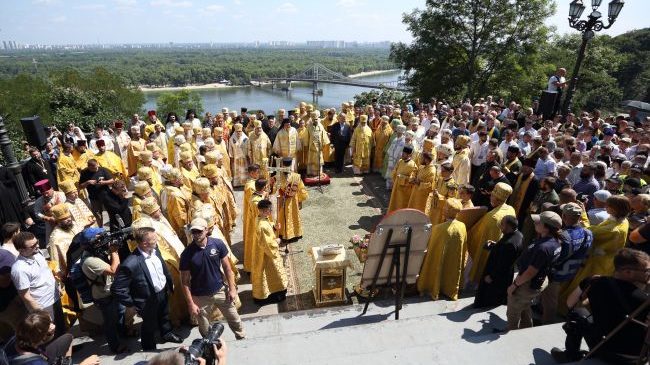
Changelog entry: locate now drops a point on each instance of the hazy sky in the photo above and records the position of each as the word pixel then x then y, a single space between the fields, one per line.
pixel 153 21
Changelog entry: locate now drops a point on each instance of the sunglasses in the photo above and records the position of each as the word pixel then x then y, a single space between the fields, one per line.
pixel 31 247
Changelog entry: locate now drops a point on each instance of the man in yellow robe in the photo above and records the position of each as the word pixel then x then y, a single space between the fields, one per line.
pixel 487 229
pixel 313 141
pixel 66 166
pixel 173 144
pixel 81 214
pixel 403 175
pixel 249 189
pixel 445 188
pixel 170 247
pixel 62 234
pixel 212 194
pixel 136 146
pixel 220 145
pixel 142 190
pixel 122 140
pixel 328 149
pixel 286 142
pixel 146 160
pixel 82 154
pixel 269 278
pixel 461 161
pixel 301 154
pixel 238 147
pixel 348 110
pixel 259 144
pixel 250 225
pixel 188 169
pixel 110 161
pixel 442 270
pixel 291 194
pixel 381 136
pixel 175 198
pixel 361 146
pixel 424 182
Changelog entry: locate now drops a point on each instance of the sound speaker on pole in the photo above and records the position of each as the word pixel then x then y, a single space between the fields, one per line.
pixel 34 132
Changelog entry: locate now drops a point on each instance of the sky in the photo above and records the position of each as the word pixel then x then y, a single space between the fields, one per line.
pixel 189 21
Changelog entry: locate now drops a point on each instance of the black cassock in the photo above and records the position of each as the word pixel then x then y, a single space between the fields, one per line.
pixel 500 267
pixel 10 208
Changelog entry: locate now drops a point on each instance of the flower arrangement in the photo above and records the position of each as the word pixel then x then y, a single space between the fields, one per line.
pixel 356 240
pixel 360 246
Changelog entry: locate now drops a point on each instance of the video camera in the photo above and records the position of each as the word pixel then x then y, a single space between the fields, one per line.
pixel 102 242
pixel 202 347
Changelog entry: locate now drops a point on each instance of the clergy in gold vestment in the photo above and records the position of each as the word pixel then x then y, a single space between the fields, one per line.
pixel 259 145
pixel 81 154
pixel 66 167
pixel 220 145
pixel 170 247
pixel 136 146
pixel 175 198
pixel 461 160
pixel 153 173
pixel 301 153
pixel 250 225
pixel 249 189
pixel 313 141
pixel 81 214
pixel 445 188
pixel 62 234
pixel 291 194
pixel 361 146
pixel 142 190
pixel 380 142
pixel 218 197
pixel 110 161
pixel 269 278
pixel 238 147
pixel 424 182
pixel 609 237
pixel 172 145
pixel 188 169
pixel 487 229
pixel 443 266
pixel 286 142
pixel 328 149
pixel 403 175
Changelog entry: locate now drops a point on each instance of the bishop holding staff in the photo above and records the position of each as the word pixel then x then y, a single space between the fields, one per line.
pixel 291 194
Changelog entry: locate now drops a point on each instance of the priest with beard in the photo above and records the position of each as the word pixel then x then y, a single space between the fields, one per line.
pixel 37 169
pixel 525 190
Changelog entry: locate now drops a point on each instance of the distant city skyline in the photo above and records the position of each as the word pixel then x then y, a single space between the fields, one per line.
pixel 57 22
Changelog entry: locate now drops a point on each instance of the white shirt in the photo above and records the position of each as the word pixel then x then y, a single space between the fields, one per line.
pixel 34 274
pixel 504 146
pixel 154 265
pixel 479 152
pixel 552 88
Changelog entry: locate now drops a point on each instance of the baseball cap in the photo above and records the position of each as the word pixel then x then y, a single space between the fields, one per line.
pixel 571 209
pixel 602 195
pixel 548 218
pixel 198 224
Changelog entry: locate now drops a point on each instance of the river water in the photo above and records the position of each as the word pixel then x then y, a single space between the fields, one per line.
pixel 271 100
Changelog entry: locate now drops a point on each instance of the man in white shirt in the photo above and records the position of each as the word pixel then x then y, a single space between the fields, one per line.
pixel 508 140
pixel 478 153
pixel 557 82
pixel 545 166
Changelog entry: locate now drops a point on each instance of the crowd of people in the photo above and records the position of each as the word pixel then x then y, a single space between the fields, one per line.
pixel 556 201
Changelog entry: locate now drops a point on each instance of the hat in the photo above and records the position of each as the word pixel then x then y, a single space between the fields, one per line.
pixel 571 209
pixel 400 128
pixel 172 174
pixel 363 118
pixel 145 173
pixel 179 139
pixel 427 145
pixel 150 147
pixel 445 150
pixel 636 167
pixel 218 131
pixel 198 224
pixel 608 132
pixel 201 185
pixel 179 130
pixel 197 130
pixel 224 110
pixel 81 142
pixel 603 195
pixel 207 212
pixel 149 205
pixel 502 191
pixel 462 141
pixel 626 140
pixel 548 218
pixel 238 127
pixel 210 171
pixel 60 212
pixel 141 188
pixel 118 124
pixel 89 233
pixel 453 206
pixel 211 157
pixel 186 156
pixel 407 149
pixel 100 143
pixel 67 186
pixel 146 156
pixel 43 185
pixel 186 125
pixel 410 134
pixel 151 112
pixel 257 123
pixel 209 142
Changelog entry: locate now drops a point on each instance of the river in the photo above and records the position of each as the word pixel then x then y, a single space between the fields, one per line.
pixel 271 100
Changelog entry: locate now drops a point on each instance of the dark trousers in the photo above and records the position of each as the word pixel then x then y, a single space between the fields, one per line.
pixel 59 319
pixel 339 157
pixel 112 321
pixel 155 316
pixel 578 326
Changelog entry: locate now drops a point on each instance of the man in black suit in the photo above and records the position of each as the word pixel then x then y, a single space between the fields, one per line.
pixel 340 135
pixel 142 282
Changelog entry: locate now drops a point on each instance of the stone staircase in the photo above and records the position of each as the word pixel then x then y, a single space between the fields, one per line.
pixel 428 332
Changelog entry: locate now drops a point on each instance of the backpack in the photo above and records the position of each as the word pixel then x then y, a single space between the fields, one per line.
pixel 82 283
pixel 19 359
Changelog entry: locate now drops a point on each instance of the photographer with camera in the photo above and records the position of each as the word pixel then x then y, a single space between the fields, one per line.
pixel 180 357
pixel 99 262
pixel 611 300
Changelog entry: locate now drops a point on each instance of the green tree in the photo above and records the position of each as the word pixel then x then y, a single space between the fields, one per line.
pixel 466 48
pixel 179 102
pixel 384 96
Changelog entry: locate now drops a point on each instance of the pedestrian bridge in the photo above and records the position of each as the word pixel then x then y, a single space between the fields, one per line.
pixel 319 73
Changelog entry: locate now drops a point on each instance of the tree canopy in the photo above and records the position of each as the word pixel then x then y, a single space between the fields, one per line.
pixel 179 102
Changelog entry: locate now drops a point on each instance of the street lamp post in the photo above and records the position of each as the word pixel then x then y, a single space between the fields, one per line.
pixel 12 163
pixel 588 28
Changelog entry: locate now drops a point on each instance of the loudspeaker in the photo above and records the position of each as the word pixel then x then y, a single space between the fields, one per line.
pixel 34 132
pixel 547 104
